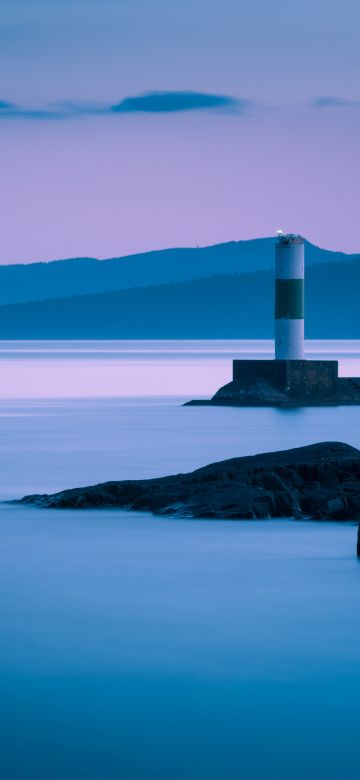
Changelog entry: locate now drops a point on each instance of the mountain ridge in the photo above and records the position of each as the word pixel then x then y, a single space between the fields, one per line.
pixel 223 306
pixel 80 276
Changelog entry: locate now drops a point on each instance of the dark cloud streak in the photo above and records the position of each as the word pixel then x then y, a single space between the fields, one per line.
pixel 152 102
pixel 170 102
pixel 333 102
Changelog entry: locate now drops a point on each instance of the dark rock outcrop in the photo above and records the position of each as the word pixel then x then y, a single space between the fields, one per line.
pixel 286 383
pixel 320 481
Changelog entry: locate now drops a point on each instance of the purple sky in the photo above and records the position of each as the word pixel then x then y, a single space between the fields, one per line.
pixel 78 178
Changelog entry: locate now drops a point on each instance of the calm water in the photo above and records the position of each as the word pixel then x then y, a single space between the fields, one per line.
pixel 136 648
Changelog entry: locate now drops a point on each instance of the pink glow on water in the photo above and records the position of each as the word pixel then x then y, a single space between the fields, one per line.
pixel 91 369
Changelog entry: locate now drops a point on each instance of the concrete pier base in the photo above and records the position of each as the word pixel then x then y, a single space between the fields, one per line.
pixel 286 383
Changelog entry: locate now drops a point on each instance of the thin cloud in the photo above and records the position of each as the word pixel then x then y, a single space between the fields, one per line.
pixel 333 102
pixel 70 108
pixel 170 102
pixel 11 110
pixel 66 109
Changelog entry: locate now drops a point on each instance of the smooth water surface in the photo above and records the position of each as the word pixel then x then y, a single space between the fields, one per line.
pixel 134 647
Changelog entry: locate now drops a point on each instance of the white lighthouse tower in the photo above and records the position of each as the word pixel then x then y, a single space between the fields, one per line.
pixel 288 381
pixel 289 297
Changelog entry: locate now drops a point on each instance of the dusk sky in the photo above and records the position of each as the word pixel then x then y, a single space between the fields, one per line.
pixel 251 122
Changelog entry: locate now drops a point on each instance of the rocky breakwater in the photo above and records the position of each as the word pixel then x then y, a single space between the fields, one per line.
pixel 320 481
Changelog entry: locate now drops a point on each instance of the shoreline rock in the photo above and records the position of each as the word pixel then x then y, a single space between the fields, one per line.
pixel 319 481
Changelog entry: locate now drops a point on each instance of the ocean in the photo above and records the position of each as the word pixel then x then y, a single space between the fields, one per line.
pixel 142 648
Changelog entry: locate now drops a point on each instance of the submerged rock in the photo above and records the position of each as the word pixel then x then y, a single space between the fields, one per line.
pixel 320 481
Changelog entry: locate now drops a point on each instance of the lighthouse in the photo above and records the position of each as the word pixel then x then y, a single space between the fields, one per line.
pixel 289 297
pixel 289 380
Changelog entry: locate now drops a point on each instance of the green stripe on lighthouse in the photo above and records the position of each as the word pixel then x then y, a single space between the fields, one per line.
pixel 289 299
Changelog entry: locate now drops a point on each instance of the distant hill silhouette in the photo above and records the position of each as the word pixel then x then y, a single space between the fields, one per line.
pixel 38 281
pixel 227 306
